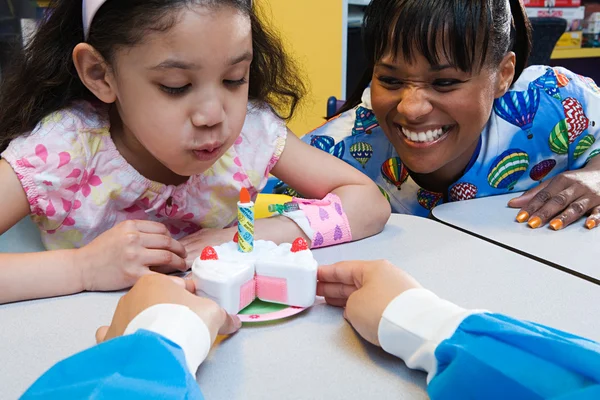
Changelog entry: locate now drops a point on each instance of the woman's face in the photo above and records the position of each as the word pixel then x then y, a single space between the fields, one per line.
pixel 434 115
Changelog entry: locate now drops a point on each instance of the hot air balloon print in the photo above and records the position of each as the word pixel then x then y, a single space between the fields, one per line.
pixel 548 83
pixel 463 191
pixel 384 193
pixel 322 142
pixel 593 154
pixel 428 199
pixel 584 144
pixel 508 168
pixel 364 122
pixel 362 152
pixel 575 118
pixel 338 150
pixel 541 169
pixel 394 171
pixel 519 108
pixel 327 144
pixel 559 138
pixel 561 79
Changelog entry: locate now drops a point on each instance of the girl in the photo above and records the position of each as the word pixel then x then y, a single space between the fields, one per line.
pixel 452 113
pixel 133 123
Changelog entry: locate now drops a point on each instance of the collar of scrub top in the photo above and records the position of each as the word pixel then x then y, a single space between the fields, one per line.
pixel 89 10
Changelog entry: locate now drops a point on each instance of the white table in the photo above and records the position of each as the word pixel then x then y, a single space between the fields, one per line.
pixel 316 355
pixel 574 249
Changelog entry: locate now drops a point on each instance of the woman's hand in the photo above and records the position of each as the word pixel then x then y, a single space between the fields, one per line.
pixel 563 199
pixel 160 289
pixel 365 288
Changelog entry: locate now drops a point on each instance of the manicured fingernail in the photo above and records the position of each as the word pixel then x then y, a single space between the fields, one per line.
pixel 590 224
pixel 556 224
pixel 535 222
pixel 522 217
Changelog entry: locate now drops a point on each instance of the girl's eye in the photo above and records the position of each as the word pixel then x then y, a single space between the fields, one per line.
pixel 235 83
pixel 174 90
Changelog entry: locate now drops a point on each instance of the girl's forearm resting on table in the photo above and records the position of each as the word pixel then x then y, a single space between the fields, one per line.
pixel 367 210
pixel 26 276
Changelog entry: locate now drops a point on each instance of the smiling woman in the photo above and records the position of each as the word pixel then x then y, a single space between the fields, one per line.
pixel 451 113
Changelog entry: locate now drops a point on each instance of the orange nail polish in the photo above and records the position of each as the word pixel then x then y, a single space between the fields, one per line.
pixel 522 217
pixel 590 224
pixel 535 222
pixel 556 224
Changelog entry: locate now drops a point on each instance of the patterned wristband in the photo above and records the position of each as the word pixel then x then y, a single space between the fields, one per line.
pixel 327 219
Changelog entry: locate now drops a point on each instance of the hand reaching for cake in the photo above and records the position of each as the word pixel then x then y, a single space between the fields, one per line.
pixel 365 288
pixel 120 256
pixel 159 289
pixel 196 242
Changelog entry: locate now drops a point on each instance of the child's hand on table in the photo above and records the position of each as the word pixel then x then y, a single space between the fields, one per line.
pixel 365 288
pixel 196 242
pixel 160 289
pixel 120 256
pixel 563 199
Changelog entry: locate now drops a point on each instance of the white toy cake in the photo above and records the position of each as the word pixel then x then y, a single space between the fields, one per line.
pixel 285 274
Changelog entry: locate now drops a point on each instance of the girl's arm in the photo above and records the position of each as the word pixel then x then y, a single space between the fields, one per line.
pixel 315 173
pixel 31 275
pixel 114 260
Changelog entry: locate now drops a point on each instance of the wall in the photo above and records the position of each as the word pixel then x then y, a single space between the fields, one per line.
pixel 312 31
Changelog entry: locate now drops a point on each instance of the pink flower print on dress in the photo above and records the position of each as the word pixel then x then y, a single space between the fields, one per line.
pixel 138 210
pixel 177 221
pixel 49 175
pixel 88 179
pixel 238 176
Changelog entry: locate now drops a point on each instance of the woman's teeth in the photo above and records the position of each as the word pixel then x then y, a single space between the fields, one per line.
pixel 428 136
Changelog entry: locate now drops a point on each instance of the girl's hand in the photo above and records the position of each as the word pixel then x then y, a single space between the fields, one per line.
pixel 120 256
pixel 365 288
pixel 562 200
pixel 196 242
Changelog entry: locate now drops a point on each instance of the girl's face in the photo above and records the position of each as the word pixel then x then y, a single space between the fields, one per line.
pixel 433 115
pixel 182 94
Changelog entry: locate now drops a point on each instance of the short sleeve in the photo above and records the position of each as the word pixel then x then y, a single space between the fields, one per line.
pixel 260 144
pixel 581 104
pixel 50 163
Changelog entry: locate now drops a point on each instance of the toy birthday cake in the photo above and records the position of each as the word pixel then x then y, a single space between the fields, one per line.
pixel 234 274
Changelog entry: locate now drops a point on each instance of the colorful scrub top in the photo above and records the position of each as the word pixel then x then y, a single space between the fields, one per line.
pixel 546 124
pixel 78 184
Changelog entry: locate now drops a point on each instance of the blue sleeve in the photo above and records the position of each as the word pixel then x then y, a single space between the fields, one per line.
pixel 144 365
pixel 492 356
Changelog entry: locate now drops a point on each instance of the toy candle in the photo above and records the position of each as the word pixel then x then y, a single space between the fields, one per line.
pixel 245 222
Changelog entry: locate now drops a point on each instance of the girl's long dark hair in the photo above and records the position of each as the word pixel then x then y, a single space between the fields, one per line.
pixel 43 79
pixel 473 32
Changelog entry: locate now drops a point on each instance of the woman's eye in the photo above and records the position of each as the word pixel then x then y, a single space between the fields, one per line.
pixel 174 90
pixel 446 83
pixel 389 81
